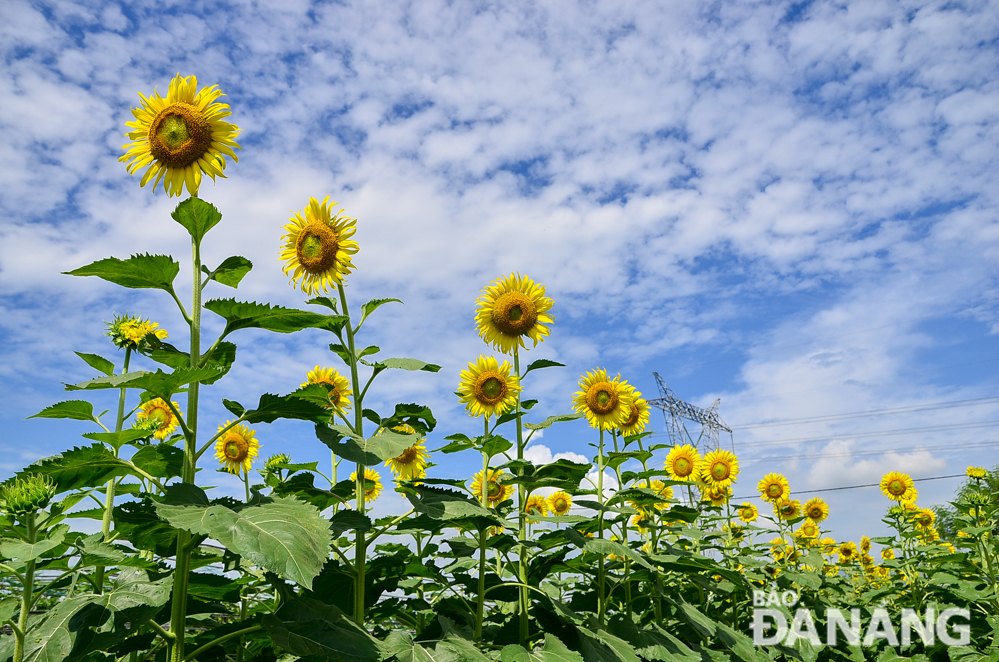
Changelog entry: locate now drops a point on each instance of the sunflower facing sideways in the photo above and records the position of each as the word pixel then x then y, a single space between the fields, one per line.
pixel 370 492
pixel 318 247
pixel 605 402
pixel 412 462
pixel 682 462
pixel 638 416
pixel 236 448
pixel 774 487
pixel 336 384
pixel 487 388
pixel 898 487
pixel 719 468
pixel 510 308
pixel 496 491
pixel 156 415
pixel 180 138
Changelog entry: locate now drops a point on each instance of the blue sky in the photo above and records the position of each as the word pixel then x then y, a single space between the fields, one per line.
pixel 788 206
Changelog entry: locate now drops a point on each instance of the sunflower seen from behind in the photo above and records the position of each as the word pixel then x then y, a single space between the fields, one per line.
pixel 510 308
pixel 487 388
pixel 318 247
pixel 336 385
pixel 180 138
pixel 605 402
pixel 236 448
pixel 663 491
pixel 156 415
pixel 683 462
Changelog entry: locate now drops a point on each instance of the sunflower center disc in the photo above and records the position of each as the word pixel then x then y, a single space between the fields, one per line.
pixel 560 505
pixel 316 248
pixel 490 388
pixel 494 489
pixel 514 314
pixel 774 490
pixel 896 487
pixel 719 471
pixel 159 417
pixel 232 450
pixel 682 466
pixel 407 456
pixel 602 398
pixel 631 419
pixel 179 135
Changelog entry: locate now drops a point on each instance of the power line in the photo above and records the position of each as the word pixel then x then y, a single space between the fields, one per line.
pixel 851 487
pixel 872 412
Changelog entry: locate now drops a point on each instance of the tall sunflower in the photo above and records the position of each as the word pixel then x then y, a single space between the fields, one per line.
pixel 816 509
pixel 559 503
pixel 370 493
pixel 236 448
pixel 496 491
pixel 638 414
pixel 719 468
pixel 335 383
pixel 898 487
pixel 605 402
pixel 181 137
pixel 787 509
pixel 683 462
pixel 412 462
pixel 748 512
pixel 774 487
pixel 487 388
pixel 318 247
pixel 157 415
pixel 536 506
pixel 510 308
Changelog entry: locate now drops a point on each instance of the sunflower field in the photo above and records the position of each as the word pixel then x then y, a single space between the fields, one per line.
pixel 519 563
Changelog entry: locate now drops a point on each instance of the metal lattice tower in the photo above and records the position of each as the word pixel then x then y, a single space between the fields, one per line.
pixel 676 410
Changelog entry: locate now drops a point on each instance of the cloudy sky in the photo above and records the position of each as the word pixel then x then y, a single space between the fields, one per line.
pixel 788 206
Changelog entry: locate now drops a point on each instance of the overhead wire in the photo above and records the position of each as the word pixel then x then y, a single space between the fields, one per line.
pixel 850 487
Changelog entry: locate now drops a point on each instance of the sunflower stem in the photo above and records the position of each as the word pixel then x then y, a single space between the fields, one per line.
pixel 484 500
pixel 601 570
pixel 113 482
pixel 359 486
pixel 27 587
pixel 525 603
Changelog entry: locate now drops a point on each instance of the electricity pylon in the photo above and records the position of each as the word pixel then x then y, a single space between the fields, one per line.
pixel 676 410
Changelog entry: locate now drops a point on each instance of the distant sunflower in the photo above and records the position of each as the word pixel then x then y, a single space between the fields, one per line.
pixel 638 416
pixel 496 491
pixel 683 462
pixel 318 247
pixel 510 308
pixel 236 448
pixel 373 492
pixel 559 503
pixel 976 472
pixel 663 491
pixel 718 496
pixel 157 412
pixel 487 388
pixel 604 401
pixel 127 331
pixel 887 554
pixel 828 545
pixel 924 518
pixel 719 468
pixel 412 462
pixel 898 487
pixel 336 384
pixel 848 553
pixel 181 137
pixel 816 509
pixel 865 544
pixel 808 530
pixel 788 509
pixel 640 521
pixel 748 512
pixel 774 487
pixel 536 506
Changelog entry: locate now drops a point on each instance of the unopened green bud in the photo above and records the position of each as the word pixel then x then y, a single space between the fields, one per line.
pixel 274 460
pixel 23 496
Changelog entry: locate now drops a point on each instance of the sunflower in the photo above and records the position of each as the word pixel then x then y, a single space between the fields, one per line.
pixel 640 521
pixel 318 248
pixel 774 487
pixel 683 462
pixel 487 388
pixel 865 544
pixel 828 546
pixel 412 462
pixel 777 547
pixel 816 509
pixel 887 554
pixel 787 509
pixel 236 448
pixel 663 491
pixel 127 332
pixel 335 383
pixel 157 415
pixel 638 417
pixel 373 492
pixel 898 487
pixel 510 308
pixel 605 402
pixel 848 552
pixel 719 468
pixel 808 530
pixel 559 503
pixel 718 496
pixel 496 491
pixel 924 518
pixel 180 137
pixel 976 472
pixel 748 512
pixel 536 506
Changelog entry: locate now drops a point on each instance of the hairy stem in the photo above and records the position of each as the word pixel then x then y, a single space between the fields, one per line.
pixel 113 482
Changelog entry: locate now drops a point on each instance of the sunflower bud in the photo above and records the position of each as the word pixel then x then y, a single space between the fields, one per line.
pixel 127 332
pixel 274 460
pixel 24 496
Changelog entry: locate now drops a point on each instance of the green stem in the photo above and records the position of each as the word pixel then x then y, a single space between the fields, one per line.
pixel 360 545
pixel 601 570
pixel 29 579
pixel 484 500
pixel 525 598
pixel 178 607
pixel 113 482
pixel 221 640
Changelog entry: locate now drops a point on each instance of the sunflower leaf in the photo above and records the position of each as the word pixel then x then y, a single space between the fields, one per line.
pixel 369 452
pixel 119 439
pixel 138 271
pixel 231 271
pixel 87 466
pixel 405 364
pixel 249 315
pixel 321 632
pixel 96 362
pixel 418 417
pixel 547 423
pixel 542 363
pixel 323 301
pixel 160 461
pixel 197 216
pixel 349 520
pixel 79 410
pixel 272 407
pixel 371 307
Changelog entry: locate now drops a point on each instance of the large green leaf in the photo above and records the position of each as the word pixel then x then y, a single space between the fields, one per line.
pixel 294 405
pixel 317 631
pixel 94 551
pixel 138 271
pixel 448 504
pixel 96 362
pixel 8 606
pixel 542 363
pixel 400 645
pixel 282 535
pixel 349 520
pixel 159 383
pixel 652 642
pixel 118 439
pixel 369 452
pixel 80 467
pixel 418 417
pixel 24 552
pixel 231 271
pixel 248 315
pixel 137 522
pixel 79 410
pixel 453 648
pixel 160 461
pixel 602 646
pixel 221 358
pixel 197 216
